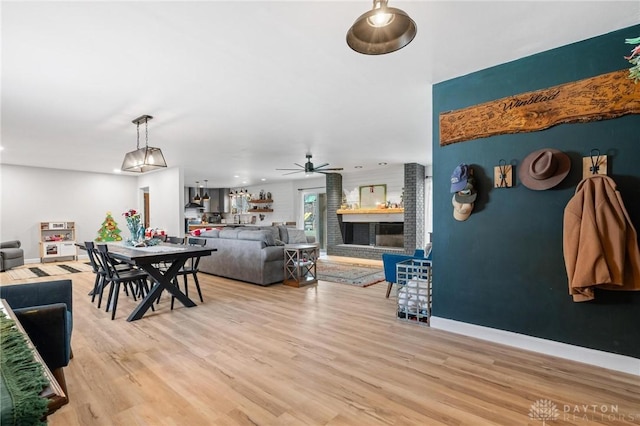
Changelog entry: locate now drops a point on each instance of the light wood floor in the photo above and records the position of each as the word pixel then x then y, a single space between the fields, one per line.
pixel 327 354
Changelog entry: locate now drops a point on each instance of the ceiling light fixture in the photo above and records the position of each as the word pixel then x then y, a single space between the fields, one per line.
pixel 197 198
pixel 143 159
pixel 205 197
pixel 381 30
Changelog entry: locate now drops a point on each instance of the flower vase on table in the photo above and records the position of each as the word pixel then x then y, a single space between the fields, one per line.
pixel 135 228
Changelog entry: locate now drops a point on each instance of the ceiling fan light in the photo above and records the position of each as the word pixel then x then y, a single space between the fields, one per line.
pixel 381 30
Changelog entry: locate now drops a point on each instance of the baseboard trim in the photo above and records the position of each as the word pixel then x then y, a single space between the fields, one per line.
pixel 37 259
pixel 622 363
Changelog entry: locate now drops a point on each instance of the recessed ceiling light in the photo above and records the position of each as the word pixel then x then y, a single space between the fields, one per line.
pixel 244 182
pixel 357 167
pixel 117 170
pixel 382 164
pixel 263 179
pixel 236 176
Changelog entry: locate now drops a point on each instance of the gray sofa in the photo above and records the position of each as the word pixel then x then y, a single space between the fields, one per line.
pixel 11 255
pixel 251 254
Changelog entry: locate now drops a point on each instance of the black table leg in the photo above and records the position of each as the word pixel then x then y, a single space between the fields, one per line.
pixel 162 282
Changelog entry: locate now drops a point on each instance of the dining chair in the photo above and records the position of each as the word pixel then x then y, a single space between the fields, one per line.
pixel 135 279
pixel 100 271
pixel 191 268
pixel 97 270
pixel 175 240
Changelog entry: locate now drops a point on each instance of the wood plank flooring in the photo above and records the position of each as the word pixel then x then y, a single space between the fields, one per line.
pixel 327 354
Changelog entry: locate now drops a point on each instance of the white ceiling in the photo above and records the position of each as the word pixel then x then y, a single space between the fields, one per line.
pixel 242 88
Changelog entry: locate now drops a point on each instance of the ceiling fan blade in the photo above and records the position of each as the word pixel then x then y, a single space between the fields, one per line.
pixel 290 173
pixel 299 165
pixel 287 169
pixel 333 168
pixel 321 166
pixel 326 171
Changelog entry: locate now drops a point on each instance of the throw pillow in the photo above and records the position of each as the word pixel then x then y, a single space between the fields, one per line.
pixel 296 236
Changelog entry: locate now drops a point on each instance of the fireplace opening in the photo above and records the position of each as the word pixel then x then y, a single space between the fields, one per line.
pixel 381 234
pixel 390 234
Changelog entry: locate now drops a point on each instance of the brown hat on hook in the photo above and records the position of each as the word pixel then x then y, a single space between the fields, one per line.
pixel 544 169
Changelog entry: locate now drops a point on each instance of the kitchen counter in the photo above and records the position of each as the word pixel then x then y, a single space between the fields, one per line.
pixel 205 225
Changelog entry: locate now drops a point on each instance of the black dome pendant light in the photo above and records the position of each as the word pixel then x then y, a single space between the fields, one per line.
pixel 381 30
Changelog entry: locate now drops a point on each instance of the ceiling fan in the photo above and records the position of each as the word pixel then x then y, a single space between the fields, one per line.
pixel 308 167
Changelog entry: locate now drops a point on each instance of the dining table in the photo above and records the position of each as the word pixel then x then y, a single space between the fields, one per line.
pixel 162 262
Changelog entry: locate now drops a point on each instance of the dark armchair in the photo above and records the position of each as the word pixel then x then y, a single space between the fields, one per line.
pixel 45 310
pixel 11 255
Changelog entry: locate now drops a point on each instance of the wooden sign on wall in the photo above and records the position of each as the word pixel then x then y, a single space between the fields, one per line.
pixel 597 98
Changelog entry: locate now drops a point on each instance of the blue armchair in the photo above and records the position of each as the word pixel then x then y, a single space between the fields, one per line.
pixel 389 261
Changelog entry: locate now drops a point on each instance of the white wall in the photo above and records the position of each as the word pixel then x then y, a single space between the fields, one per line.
pixel 30 195
pixel 392 176
pixel 166 199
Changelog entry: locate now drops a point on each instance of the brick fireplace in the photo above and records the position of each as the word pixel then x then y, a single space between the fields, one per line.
pixel 368 240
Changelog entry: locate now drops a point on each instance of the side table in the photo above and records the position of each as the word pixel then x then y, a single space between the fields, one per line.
pixel 300 264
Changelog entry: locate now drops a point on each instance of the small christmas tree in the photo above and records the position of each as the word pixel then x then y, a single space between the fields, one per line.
pixel 109 230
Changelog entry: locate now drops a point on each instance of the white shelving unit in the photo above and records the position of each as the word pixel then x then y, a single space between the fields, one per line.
pixel 58 241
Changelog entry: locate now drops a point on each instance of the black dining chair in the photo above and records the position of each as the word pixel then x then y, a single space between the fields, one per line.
pixel 135 279
pixel 97 270
pixel 191 268
pixel 175 240
pixel 100 271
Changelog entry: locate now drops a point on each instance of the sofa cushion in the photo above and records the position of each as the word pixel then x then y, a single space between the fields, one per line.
pixel 212 233
pixel 230 234
pixel 273 229
pixel 296 236
pixel 264 236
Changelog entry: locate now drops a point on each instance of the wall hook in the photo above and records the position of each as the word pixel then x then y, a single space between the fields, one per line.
pixel 594 164
pixel 503 175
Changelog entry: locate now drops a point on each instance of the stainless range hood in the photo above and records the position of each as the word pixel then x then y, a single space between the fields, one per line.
pixel 218 199
pixel 189 194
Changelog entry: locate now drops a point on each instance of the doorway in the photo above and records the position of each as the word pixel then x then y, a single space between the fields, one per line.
pixel 146 212
pixel 315 217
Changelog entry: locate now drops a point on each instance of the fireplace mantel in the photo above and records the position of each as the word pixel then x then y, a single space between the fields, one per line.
pixel 372 215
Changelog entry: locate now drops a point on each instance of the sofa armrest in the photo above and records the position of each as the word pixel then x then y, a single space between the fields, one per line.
pixel 10 244
pixel 48 329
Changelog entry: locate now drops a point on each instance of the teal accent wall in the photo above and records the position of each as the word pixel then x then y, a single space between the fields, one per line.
pixel 504 268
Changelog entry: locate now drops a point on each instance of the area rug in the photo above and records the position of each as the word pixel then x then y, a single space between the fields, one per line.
pixel 27 272
pixel 357 275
